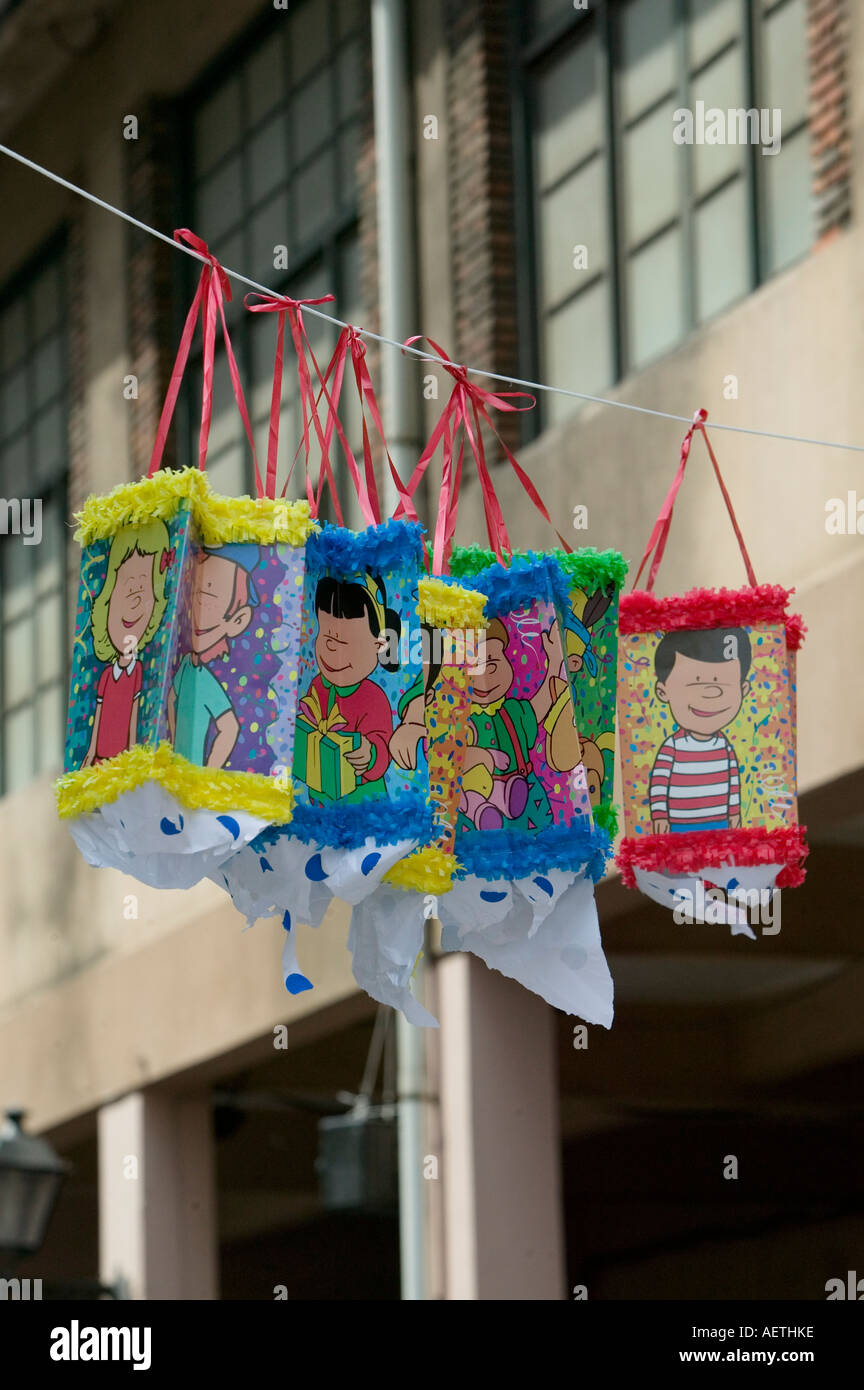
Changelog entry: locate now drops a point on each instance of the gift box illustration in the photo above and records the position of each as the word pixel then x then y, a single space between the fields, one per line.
pixel 320 750
pixel 357 809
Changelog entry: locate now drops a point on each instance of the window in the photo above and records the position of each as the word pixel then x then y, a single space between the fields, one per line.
pixel 33 414
pixel 274 141
pixel 638 239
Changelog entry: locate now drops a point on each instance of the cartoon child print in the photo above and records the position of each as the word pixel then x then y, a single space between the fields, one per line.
pixel 595 765
pixel 411 730
pixel 564 747
pixel 498 782
pixel 695 781
pixel 584 614
pixel 125 615
pixel 356 634
pixel 223 599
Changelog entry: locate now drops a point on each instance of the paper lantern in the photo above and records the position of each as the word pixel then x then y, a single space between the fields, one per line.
pixel 357 812
pixel 386 933
pixel 589 623
pixel 183 685
pixel 590 632
pixel 706 712
pixel 524 833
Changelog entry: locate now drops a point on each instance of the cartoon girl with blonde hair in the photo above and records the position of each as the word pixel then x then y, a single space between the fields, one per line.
pixel 126 613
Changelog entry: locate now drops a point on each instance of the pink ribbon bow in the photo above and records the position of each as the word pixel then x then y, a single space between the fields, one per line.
pixel 210 295
pixel 468 408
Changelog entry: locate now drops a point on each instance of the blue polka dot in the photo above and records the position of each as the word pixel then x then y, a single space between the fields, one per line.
pixel 489 897
pixel 230 825
pixel 286 920
pixel 295 984
pixel 369 863
pixel 169 828
pixel 733 883
pixel 545 885
pixel 266 866
pixel 315 869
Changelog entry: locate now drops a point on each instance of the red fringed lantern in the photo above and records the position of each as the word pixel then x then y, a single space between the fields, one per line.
pixel 706 711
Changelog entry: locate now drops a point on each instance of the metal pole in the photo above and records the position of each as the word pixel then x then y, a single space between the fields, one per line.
pixel 411 1078
pixel 401 383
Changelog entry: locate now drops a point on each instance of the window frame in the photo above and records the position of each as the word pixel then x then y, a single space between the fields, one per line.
pixel 324 250
pixel 529 56
pixel 56 491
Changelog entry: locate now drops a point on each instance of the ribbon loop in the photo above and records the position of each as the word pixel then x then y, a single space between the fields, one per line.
pixel 212 290
pixel 349 345
pixel 283 304
pixel 197 244
pixel 463 416
pixel 660 531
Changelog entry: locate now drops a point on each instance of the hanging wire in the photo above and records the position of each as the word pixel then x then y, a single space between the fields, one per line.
pixel 412 351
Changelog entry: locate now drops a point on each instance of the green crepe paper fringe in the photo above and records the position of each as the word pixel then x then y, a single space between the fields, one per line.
pixel 593 569
pixel 606 817
pixel 585 569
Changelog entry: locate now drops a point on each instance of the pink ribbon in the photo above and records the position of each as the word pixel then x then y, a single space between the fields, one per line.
pixel 331 382
pixel 210 295
pixel 660 532
pixel 464 414
pixel 366 392
pixel 283 305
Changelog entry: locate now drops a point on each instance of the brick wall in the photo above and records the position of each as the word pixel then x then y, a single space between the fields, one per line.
pixel 481 191
pixel 828 28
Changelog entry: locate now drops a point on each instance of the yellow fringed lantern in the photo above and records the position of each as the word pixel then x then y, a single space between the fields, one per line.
pixel 183 689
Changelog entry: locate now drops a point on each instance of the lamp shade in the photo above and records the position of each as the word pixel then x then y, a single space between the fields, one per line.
pixel 31 1174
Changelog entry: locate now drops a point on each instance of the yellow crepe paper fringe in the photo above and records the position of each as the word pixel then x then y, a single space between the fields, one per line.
pixel 210 788
pixel 449 605
pixel 427 870
pixel 221 520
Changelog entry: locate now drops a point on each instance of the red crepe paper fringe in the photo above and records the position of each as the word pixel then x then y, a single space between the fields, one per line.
pixel 692 851
pixel 642 611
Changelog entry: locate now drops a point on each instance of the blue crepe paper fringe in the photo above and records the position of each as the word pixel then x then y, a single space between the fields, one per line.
pixel 527 579
pixel 395 545
pixel 511 854
pixel 342 826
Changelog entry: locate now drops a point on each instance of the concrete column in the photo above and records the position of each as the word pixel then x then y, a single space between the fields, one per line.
pixel 503 1228
pixel 157 1196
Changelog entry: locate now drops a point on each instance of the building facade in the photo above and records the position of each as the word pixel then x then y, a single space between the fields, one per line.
pixel 560 232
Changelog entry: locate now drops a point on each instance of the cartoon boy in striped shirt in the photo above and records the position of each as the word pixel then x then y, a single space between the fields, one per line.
pixel 702 677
